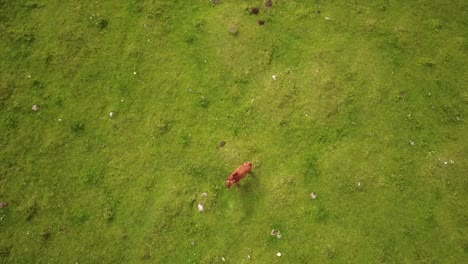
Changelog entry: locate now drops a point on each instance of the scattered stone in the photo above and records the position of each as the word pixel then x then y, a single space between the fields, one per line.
pixel 273 77
pixel 35 108
pixel 327 18
pixel 201 207
pixel 411 142
pixel 261 22
pixel 111 114
pixel 278 254
pixel 222 258
pixel 313 195
pixel 3 204
pixel 255 10
pixel 359 184
pixel 276 233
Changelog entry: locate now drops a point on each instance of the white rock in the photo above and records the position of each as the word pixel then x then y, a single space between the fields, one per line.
pixel 278 254
pixel 313 195
pixel 111 114
pixel 327 18
pixel 273 77
pixel 204 194
pixel 222 258
pixel 35 107
pixel 201 207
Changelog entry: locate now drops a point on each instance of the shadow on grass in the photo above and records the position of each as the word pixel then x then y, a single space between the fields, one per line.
pixel 251 193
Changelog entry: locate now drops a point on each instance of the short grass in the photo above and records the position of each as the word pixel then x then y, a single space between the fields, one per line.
pixel 368 110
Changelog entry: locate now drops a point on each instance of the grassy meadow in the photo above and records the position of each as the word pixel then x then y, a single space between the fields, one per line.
pixel 361 102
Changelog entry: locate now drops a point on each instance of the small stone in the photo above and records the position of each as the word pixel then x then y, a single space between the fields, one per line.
pixel 35 108
pixel 134 73
pixel 192 243
pixel 273 77
pixel 279 235
pixel 233 30
pixel 327 18
pixel 111 114
pixel 313 195
pixel 204 194
pixel 359 184
pixel 273 232
pixel 411 142
pixel 222 258
pixel 278 254
pixel 201 207
pixel 222 143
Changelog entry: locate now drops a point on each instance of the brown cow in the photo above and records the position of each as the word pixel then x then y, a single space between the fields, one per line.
pixel 239 174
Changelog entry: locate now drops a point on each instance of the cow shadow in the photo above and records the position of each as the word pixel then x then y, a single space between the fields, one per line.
pixel 251 194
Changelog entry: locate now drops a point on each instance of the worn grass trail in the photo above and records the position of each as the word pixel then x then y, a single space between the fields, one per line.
pixel 362 103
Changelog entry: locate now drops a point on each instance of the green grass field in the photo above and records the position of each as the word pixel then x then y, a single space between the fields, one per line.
pixel 362 102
